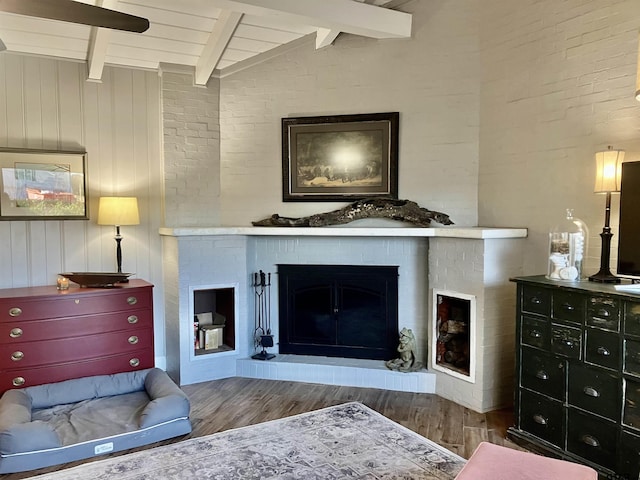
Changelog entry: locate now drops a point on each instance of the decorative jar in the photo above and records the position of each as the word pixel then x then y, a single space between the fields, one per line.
pixel 567 247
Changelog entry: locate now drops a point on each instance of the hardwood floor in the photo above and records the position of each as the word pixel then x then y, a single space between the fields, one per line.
pixel 236 402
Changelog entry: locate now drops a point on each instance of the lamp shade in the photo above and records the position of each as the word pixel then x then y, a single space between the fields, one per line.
pixel 608 171
pixel 118 211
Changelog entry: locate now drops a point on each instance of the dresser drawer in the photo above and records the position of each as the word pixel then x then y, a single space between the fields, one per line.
pixel 602 348
pixel 568 307
pixel 27 377
pixel 19 331
pixel 632 318
pixel 536 300
pixel 535 332
pixel 632 357
pixel 592 438
pixel 542 417
pixel 629 455
pixel 72 304
pixel 543 373
pixel 631 414
pixel 74 348
pixel 603 312
pixel 595 390
pixel 566 341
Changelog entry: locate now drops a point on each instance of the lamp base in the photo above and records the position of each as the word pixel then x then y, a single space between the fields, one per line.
pixel 604 277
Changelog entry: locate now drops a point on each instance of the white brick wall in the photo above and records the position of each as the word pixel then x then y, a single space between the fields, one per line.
pixel 431 79
pixel 558 85
pixel 191 150
pixel 482 269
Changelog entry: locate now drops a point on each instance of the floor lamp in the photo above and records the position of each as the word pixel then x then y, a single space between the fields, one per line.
pixel 118 211
pixel 608 178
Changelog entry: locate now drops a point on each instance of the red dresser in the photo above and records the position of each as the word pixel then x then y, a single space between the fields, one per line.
pixel 48 335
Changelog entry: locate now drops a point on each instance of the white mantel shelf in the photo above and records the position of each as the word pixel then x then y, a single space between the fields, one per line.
pixel 477 233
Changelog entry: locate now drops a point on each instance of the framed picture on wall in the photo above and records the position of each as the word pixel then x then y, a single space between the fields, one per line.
pixel 340 157
pixel 42 185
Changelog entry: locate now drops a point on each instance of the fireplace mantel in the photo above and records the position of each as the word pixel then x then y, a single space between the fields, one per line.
pixel 476 233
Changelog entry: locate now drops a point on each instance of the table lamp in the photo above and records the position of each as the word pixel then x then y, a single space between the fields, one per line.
pixel 118 211
pixel 608 179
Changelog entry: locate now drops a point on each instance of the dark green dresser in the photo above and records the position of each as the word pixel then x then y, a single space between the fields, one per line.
pixel 578 374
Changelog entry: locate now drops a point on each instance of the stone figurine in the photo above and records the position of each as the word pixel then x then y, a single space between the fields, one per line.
pixel 407 361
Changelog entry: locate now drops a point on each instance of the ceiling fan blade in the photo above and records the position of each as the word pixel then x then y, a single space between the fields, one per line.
pixel 76 12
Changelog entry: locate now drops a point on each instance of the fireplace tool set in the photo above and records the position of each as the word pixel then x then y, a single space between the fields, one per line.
pixel 262 313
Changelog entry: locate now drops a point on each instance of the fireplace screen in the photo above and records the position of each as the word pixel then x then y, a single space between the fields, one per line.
pixel 339 310
pixel 453 349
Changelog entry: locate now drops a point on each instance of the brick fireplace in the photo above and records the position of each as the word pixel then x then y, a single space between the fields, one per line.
pixel 474 260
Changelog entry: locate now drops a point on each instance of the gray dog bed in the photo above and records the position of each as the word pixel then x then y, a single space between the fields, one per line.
pixel 81 418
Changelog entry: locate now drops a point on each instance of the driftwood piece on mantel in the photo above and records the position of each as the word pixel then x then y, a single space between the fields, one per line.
pixel 401 210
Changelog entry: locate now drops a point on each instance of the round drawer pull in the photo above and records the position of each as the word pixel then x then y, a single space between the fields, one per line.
pixel 15 312
pixel 535 334
pixel 603 351
pixel 589 440
pixel 17 356
pixel 539 419
pixel 18 381
pixel 132 319
pixel 568 306
pixel 132 300
pixel 15 332
pixel 536 300
pixel 134 362
pixel 590 391
pixel 133 339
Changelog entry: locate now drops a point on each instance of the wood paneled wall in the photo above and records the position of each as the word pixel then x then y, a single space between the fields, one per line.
pixel 48 104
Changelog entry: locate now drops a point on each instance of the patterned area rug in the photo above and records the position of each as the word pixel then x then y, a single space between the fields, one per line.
pixel 346 441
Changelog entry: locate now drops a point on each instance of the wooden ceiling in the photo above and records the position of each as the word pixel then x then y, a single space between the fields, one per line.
pixel 215 37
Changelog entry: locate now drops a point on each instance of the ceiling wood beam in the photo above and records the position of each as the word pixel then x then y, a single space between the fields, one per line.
pixel 339 15
pixel 216 44
pixel 98 44
pixel 325 37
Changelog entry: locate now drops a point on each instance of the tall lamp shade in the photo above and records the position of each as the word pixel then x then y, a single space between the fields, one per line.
pixel 608 180
pixel 118 211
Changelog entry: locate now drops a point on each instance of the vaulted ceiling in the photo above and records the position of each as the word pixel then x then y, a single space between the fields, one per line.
pixel 212 36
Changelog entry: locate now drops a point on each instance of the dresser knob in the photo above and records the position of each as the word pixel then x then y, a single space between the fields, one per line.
pixel 133 339
pixel 589 440
pixel 15 312
pixel 568 306
pixel 568 343
pixel 17 356
pixel 132 300
pixel 132 319
pixel 535 334
pixel 603 313
pixel 603 351
pixel 134 362
pixel 536 300
pixel 590 391
pixel 15 332
pixel 542 375
pixel 540 419
pixel 18 381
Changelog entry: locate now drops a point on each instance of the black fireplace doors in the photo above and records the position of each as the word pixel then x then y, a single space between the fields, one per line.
pixel 339 310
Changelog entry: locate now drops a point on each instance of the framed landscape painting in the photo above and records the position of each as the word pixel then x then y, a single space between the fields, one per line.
pixel 42 185
pixel 340 157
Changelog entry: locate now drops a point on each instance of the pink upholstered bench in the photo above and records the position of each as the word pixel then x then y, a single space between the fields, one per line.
pixel 493 462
